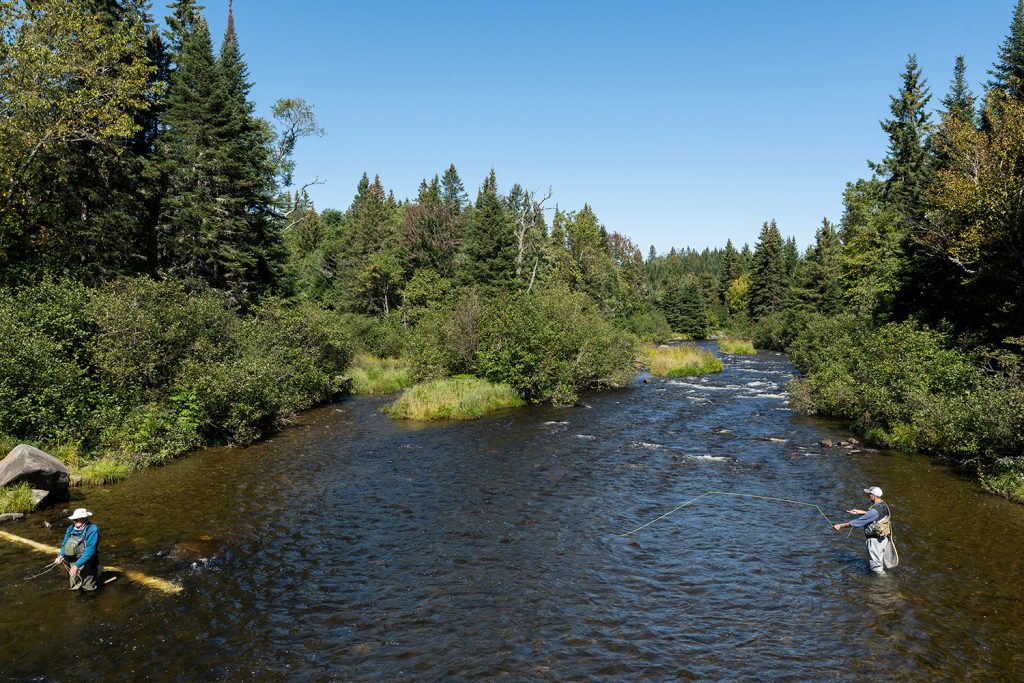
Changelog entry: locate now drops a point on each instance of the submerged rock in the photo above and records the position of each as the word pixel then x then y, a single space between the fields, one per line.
pixel 11 516
pixel 40 470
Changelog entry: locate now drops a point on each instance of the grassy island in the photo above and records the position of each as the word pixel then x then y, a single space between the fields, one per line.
pixel 682 360
pixel 737 346
pixel 455 398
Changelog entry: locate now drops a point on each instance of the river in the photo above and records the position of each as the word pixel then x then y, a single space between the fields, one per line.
pixel 354 548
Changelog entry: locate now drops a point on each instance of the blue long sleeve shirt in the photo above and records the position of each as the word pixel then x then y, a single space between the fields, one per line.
pixel 870 516
pixel 92 539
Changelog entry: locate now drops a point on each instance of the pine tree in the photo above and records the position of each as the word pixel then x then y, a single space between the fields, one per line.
pixel 768 281
pixel 1008 71
pixel 819 285
pixel 906 168
pixel 959 103
pixel 453 194
pixel 685 308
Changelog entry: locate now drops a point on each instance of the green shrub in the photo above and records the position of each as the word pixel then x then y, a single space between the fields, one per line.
pixel 153 433
pixel 17 498
pixel 381 336
pixel 649 326
pixel 778 331
pixel 46 393
pixel 445 340
pixel 104 471
pixel 285 359
pixel 682 360
pixel 147 328
pixel 372 375
pixel 455 398
pixel 902 386
pixel 550 345
pixel 737 346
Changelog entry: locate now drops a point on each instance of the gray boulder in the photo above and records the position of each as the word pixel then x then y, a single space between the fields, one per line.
pixel 41 471
pixel 11 516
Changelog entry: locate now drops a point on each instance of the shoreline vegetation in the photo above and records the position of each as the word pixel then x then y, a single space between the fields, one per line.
pixel 737 346
pixel 682 360
pixel 170 285
pixel 454 398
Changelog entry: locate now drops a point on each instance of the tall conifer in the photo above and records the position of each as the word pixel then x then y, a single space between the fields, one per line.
pixel 768 280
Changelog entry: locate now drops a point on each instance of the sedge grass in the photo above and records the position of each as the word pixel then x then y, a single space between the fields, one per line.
pixel 739 346
pixel 17 498
pixel 455 398
pixel 372 375
pixel 682 360
pixel 104 471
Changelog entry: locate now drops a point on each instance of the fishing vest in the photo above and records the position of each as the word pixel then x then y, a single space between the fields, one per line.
pixel 75 545
pixel 881 527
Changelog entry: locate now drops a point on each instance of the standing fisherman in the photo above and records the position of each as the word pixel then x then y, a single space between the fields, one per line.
pixel 877 525
pixel 80 550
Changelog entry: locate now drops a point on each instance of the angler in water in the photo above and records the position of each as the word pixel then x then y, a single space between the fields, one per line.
pixel 877 524
pixel 80 550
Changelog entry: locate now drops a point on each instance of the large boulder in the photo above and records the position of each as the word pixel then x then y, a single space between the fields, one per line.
pixel 41 470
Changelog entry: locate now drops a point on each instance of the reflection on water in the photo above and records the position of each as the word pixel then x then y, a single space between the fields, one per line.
pixel 354 548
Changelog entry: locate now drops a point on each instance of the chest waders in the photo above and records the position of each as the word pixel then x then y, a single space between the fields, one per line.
pixel 881 529
pixel 88 574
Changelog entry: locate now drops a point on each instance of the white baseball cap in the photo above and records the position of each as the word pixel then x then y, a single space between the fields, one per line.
pixel 80 513
pixel 874 490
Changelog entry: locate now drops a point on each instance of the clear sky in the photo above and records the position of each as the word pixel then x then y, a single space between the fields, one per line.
pixel 681 123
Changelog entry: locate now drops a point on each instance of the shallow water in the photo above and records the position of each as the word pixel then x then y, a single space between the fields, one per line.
pixel 351 547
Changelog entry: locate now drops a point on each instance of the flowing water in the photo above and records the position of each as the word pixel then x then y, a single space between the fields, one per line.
pixel 354 548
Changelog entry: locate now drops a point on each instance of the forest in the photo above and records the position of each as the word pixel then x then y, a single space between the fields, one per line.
pixel 166 283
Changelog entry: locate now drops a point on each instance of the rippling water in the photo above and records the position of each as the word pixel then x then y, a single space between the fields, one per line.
pixel 351 547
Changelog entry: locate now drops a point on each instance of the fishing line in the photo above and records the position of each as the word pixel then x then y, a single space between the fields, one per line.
pixel 727 493
pixel 49 568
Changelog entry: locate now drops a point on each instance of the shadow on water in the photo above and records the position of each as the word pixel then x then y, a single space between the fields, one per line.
pixel 351 547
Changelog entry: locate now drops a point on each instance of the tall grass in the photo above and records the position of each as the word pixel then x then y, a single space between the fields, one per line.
pixel 744 346
pixel 101 472
pixel 17 498
pixel 372 375
pixel 682 360
pixel 455 398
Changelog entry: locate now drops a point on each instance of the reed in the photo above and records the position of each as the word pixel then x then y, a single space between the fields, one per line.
pixel 738 346
pixel 682 360
pixel 372 375
pixel 17 498
pixel 101 472
pixel 454 398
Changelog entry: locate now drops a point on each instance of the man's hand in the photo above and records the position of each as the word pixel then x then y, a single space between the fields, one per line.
pixel 60 558
pixel 856 512
pixel 837 527
pixel 74 569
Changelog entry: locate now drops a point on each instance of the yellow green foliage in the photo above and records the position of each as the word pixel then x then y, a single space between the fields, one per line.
pixel 744 346
pixel 455 398
pixel 372 375
pixel 103 472
pixel 17 498
pixel 682 360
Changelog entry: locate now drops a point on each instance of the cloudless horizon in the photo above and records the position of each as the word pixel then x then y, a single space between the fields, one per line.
pixel 681 124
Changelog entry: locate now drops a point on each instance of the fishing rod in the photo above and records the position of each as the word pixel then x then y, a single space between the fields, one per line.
pixel 727 493
pixel 50 567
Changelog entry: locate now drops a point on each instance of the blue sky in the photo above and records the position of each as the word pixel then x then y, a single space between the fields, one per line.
pixel 681 123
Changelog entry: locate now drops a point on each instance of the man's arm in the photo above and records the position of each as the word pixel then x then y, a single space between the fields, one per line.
pixel 865 519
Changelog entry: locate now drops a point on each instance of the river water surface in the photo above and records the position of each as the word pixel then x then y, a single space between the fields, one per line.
pixel 354 548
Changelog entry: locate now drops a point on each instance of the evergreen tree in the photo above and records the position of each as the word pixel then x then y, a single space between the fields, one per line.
pixel 906 168
pixel 216 222
pixel 959 103
pixel 819 285
pixel 453 194
pixel 1008 71
pixel 489 252
pixel 768 281
pixel 790 256
pixel 685 308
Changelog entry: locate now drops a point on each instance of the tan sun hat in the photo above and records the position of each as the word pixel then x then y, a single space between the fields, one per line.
pixel 80 513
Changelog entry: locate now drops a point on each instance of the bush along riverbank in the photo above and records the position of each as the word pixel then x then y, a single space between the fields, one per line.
pixel 903 386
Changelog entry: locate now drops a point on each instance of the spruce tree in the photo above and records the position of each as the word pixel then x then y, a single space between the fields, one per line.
pixel 959 103
pixel 489 252
pixel 1008 71
pixel 906 169
pixel 768 281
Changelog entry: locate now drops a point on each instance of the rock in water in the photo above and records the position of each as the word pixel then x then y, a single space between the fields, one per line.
pixel 11 516
pixel 41 470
